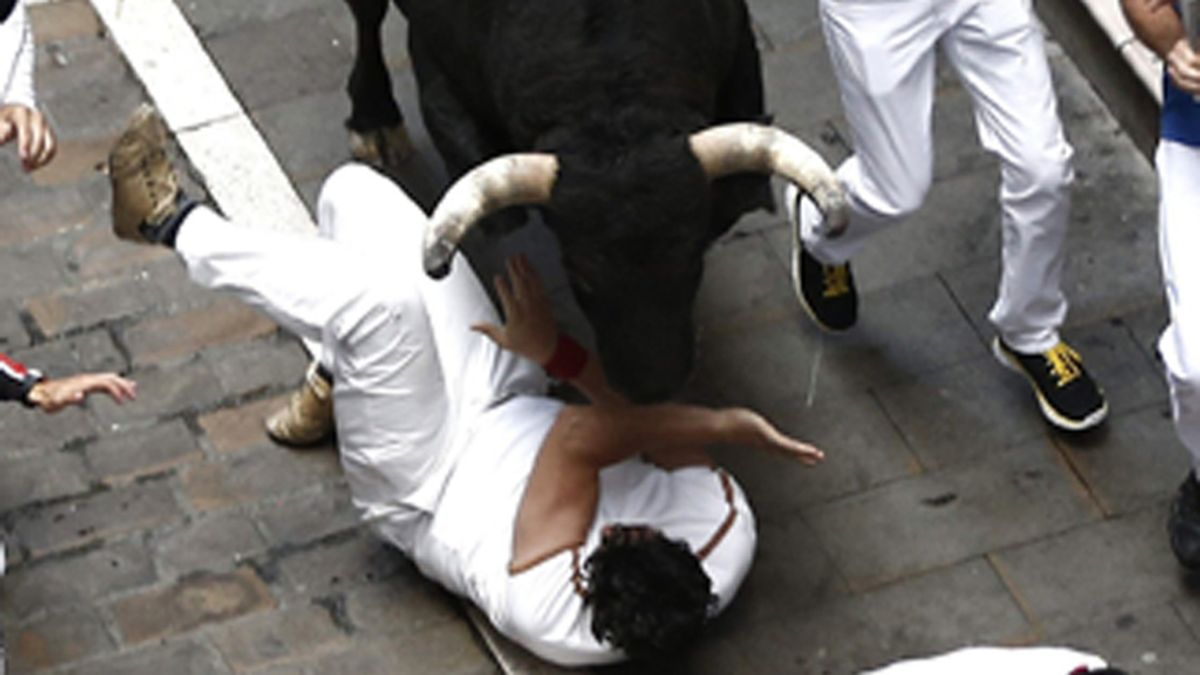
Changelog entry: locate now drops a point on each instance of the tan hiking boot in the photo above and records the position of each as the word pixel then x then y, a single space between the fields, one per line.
pixel 144 185
pixel 307 418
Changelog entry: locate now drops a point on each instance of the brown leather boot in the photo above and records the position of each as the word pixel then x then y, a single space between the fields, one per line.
pixel 307 418
pixel 144 185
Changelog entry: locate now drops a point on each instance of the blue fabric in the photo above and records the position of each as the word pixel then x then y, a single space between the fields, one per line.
pixel 1180 115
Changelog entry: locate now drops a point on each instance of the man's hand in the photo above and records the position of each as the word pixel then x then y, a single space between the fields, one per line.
pixel 35 139
pixel 529 329
pixel 1183 64
pixel 750 428
pixel 54 395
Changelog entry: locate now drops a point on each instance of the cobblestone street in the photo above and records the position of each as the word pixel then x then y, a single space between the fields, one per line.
pixel 171 536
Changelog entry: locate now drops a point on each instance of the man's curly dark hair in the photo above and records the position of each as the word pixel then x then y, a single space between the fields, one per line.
pixel 649 595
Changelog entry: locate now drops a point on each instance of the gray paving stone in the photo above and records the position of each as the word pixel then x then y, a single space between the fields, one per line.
pixel 179 293
pixel 102 515
pixel 58 639
pixel 1135 462
pixel 778 23
pixel 308 516
pixel 1146 325
pixel 33 213
pixel 38 476
pixel 1100 569
pixel 162 393
pixel 918 524
pixel 12 330
pixel 211 18
pixel 257 366
pixel 955 607
pixel 1145 640
pixel 27 429
pixel 91 351
pixel 740 277
pixel 448 649
pixel 268 62
pixel 72 309
pixel 213 543
pixel 177 657
pixel 398 606
pixel 791 570
pixel 128 454
pixel 913 328
pixel 28 271
pixel 957 415
pixel 797 78
pixel 93 94
pixel 77 578
pixel 254 475
pixel 297 634
pixel 317 117
pixel 823 640
pixel 343 564
pixel 862 450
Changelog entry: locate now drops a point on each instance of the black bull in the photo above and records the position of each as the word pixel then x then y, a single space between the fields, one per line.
pixel 612 89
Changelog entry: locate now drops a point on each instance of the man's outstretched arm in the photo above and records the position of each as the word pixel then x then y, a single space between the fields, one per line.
pixel 669 434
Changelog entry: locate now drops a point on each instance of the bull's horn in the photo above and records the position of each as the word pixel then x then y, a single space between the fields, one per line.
pixel 746 147
pixel 507 180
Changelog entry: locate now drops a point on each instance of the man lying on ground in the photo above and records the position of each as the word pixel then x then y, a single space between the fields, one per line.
pixel 587 534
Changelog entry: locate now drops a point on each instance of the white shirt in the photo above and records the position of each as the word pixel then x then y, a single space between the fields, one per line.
pixel 16 59
pixel 998 661
pixel 467 544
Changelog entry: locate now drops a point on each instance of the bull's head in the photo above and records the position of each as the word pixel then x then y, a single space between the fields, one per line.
pixel 635 285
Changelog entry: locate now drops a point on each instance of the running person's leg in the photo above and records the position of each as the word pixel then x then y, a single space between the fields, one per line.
pixel 1179 202
pixel 998 50
pixel 883 57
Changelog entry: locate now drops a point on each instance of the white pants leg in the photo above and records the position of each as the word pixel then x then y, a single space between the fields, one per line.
pixel 1179 239
pixel 883 56
pixel 409 374
pixel 998 50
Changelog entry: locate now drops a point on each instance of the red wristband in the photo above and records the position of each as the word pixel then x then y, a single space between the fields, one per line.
pixel 568 359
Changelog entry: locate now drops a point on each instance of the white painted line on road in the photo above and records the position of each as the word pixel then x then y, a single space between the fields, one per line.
pixel 211 125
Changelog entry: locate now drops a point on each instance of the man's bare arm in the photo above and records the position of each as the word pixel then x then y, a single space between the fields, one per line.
pixel 1157 25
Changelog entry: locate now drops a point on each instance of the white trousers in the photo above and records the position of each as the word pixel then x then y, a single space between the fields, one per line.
pixel 883 52
pixel 409 374
pixel 1178 241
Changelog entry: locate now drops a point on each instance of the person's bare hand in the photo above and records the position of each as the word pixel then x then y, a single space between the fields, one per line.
pixel 529 328
pixel 1183 65
pixel 1155 5
pixel 753 429
pixel 36 144
pixel 54 395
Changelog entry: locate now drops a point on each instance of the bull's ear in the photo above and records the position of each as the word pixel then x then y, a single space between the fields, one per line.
pixel 745 147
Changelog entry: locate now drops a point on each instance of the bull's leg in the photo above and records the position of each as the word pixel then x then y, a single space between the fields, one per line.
pixel 377 134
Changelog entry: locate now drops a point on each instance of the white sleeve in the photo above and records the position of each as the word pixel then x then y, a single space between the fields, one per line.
pixel 16 59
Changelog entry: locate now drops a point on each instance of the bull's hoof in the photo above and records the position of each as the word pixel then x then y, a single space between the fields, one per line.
pixel 387 148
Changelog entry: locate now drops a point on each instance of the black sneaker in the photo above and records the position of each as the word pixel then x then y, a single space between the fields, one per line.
pixel 825 291
pixel 1183 525
pixel 1068 396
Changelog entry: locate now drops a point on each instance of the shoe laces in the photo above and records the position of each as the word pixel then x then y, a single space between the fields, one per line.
pixel 837 280
pixel 1064 363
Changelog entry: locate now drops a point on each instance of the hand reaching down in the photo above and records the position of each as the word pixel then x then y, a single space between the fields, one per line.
pixel 54 395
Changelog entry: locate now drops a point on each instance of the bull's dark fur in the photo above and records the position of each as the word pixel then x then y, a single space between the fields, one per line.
pixel 613 88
